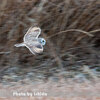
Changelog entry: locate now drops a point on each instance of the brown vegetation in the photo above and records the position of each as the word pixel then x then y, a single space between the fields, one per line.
pixel 71 29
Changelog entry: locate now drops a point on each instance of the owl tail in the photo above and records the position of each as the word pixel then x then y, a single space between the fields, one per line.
pixel 19 45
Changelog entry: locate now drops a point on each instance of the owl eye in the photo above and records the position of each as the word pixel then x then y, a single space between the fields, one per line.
pixel 43 41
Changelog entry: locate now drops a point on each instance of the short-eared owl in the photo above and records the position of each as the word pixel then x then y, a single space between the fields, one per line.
pixel 32 42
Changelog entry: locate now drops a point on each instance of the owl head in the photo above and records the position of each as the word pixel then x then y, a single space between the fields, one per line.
pixel 42 41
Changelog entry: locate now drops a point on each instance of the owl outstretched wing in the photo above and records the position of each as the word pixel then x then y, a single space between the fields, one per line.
pixel 32 34
pixel 36 48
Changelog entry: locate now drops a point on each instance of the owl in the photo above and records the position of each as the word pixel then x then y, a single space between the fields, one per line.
pixel 32 41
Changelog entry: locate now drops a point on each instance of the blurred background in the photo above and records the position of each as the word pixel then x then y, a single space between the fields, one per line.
pixel 67 55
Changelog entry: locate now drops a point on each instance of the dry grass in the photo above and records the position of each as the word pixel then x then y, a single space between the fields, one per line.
pixel 61 19
pixel 67 20
pixel 71 28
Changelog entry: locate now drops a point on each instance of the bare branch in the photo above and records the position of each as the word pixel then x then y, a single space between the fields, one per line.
pixel 77 30
pixel 94 31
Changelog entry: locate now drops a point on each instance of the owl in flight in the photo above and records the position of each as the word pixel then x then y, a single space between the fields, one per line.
pixel 32 42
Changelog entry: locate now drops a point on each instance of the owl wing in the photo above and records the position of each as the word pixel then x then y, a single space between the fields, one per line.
pixel 32 34
pixel 35 48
